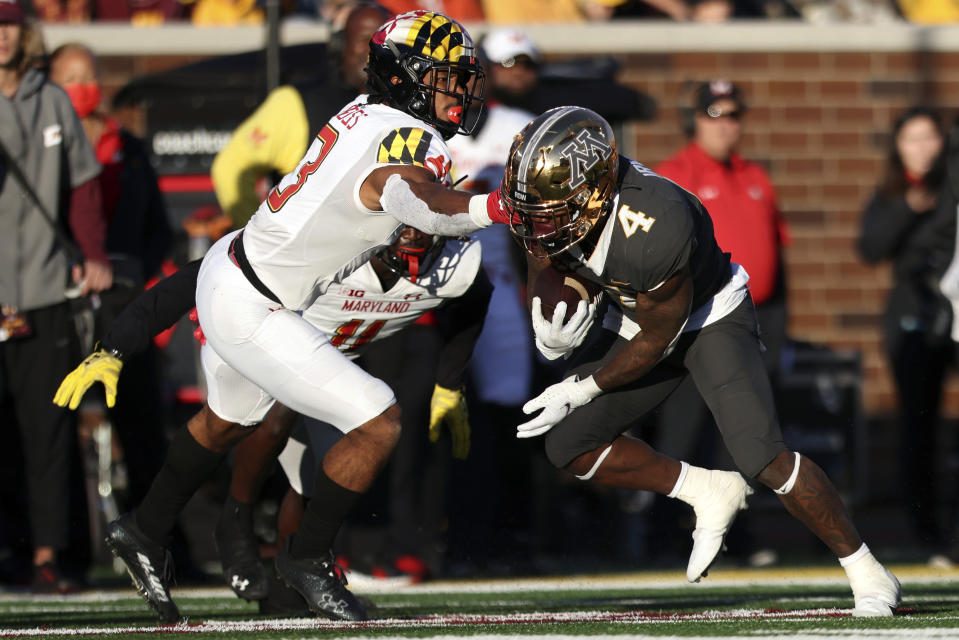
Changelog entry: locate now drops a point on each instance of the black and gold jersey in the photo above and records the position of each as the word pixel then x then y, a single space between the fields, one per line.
pixel 654 228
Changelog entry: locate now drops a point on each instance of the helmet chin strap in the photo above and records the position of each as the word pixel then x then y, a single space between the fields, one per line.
pixel 412 259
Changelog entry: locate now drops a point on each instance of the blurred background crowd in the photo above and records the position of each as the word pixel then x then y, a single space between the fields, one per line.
pixel 170 185
pixel 230 12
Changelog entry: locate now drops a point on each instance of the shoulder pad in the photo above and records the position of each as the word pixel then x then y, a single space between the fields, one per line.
pixel 455 269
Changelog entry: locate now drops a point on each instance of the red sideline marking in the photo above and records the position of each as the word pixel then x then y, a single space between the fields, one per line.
pixel 185 183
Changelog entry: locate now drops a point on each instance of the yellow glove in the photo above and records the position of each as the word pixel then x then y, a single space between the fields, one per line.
pixel 449 405
pixel 99 366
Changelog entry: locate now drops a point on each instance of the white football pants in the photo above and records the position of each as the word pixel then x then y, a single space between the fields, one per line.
pixel 257 351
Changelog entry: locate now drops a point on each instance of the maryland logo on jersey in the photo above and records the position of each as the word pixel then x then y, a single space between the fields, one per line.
pixel 406 145
pixel 430 34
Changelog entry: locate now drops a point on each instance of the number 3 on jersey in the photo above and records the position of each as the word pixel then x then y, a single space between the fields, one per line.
pixel 278 197
pixel 632 220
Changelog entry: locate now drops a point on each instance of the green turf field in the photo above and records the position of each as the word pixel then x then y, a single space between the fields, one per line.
pixel 798 603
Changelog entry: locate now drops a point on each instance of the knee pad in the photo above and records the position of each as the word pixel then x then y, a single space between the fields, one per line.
pixel 791 481
pixel 599 460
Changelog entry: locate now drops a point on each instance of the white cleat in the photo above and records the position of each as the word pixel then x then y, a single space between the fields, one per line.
pixel 877 593
pixel 723 497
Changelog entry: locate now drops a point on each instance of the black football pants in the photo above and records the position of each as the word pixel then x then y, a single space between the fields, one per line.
pixel 724 361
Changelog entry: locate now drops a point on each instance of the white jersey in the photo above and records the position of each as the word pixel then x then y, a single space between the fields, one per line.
pixel 481 157
pixel 357 311
pixel 313 229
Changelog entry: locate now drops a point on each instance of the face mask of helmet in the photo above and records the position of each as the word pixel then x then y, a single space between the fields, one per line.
pixel 560 179
pixel 411 262
pixel 440 61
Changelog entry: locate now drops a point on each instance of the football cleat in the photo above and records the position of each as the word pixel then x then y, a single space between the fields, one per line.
pixel 877 592
pixel 150 566
pixel 240 555
pixel 321 584
pixel 721 499
pixel 283 601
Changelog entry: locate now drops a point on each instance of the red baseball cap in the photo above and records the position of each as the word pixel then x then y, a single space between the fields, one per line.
pixel 10 11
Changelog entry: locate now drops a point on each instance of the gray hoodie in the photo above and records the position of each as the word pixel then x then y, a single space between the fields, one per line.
pixel 42 132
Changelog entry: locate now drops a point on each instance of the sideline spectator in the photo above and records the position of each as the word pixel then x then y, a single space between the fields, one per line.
pixel 517 78
pixel 460 10
pixel 39 341
pixel 748 224
pixel 849 11
pixel 532 11
pixel 141 13
pixel 225 13
pixel 137 240
pixel 63 10
pixel 900 225
pixel 929 12
pixel 741 200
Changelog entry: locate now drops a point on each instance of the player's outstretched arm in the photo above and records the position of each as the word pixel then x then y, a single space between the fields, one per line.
pixel 432 207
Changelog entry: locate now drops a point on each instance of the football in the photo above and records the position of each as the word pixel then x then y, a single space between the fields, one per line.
pixel 553 286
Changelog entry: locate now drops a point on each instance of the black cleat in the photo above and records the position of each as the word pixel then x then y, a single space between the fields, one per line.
pixel 149 565
pixel 240 556
pixel 283 601
pixel 321 584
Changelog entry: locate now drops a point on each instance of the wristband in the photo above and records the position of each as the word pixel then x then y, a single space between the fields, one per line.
pixel 478 211
pixel 495 210
pixel 589 387
pixel 112 351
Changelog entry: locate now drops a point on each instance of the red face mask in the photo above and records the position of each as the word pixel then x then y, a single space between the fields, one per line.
pixel 85 97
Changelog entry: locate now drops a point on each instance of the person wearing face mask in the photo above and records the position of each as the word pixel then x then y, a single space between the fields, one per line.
pixel 40 262
pixel 900 225
pixel 138 238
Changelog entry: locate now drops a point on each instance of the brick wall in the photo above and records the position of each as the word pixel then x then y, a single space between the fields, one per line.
pixel 818 122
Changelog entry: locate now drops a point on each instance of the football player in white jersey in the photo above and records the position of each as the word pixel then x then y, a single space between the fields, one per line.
pixel 348 196
pixel 400 283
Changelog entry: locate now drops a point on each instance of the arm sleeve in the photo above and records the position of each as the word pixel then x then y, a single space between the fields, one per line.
pixel 87 224
pixel 273 138
pixel 153 311
pixel 461 324
pixel 399 201
pixel 884 224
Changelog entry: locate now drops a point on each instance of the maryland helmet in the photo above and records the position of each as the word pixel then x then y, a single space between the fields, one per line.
pixel 560 177
pixel 428 53
pixel 412 253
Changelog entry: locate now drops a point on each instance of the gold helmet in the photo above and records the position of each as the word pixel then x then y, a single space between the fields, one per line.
pixel 560 176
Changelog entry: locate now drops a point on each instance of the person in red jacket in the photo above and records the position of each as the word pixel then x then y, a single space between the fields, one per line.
pixel 748 224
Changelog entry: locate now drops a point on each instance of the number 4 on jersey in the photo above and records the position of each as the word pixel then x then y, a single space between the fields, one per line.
pixel 632 220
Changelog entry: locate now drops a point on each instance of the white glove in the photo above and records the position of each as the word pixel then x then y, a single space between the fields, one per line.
pixel 555 339
pixel 557 402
